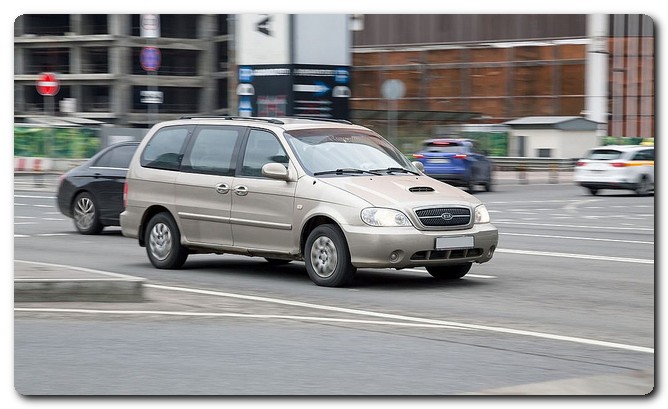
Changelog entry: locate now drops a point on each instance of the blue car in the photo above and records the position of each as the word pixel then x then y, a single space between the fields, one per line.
pixel 458 162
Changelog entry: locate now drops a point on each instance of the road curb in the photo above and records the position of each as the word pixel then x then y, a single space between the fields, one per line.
pixel 42 282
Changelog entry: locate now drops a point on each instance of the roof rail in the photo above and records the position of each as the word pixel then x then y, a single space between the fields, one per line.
pixel 315 118
pixel 250 118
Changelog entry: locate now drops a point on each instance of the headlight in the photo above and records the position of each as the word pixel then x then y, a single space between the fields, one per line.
pixel 481 215
pixel 374 216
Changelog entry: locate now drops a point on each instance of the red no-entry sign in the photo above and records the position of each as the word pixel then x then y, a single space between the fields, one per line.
pixel 48 84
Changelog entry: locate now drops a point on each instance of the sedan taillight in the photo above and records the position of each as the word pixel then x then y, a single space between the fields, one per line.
pixel 460 156
pixel 618 164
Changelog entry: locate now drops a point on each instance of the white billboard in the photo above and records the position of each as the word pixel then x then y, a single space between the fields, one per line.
pixel 322 39
pixel 263 39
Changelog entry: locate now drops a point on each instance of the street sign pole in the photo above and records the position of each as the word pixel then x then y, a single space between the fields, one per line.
pixel 150 29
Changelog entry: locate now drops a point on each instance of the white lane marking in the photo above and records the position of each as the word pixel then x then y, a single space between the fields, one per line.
pixel 572 207
pixel 52 234
pixel 576 238
pixel 53 219
pixel 580 256
pixel 234 315
pixel 35 197
pixel 24 223
pixel 20 236
pixel 380 315
pixel 25 217
pixel 411 319
pixel 576 226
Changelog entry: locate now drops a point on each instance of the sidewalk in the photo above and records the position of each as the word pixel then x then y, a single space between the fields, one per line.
pixel 38 282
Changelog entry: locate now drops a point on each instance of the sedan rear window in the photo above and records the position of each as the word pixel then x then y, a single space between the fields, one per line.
pixel 604 154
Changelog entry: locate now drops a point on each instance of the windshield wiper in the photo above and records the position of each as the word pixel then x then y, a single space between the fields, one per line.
pixel 392 170
pixel 346 170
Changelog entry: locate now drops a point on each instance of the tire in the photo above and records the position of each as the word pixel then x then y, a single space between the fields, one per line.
pixel 86 215
pixel 470 186
pixel 593 191
pixel 277 261
pixel 163 243
pixel 489 185
pixel 643 187
pixel 327 257
pixel 452 272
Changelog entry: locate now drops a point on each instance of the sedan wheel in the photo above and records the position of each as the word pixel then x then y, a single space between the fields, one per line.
pixel 163 243
pixel 85 215
pixel 327 257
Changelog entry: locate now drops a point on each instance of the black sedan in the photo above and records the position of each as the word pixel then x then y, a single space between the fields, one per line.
pixel 92 194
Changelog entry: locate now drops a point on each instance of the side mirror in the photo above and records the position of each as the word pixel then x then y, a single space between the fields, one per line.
pixel 419 165
pixel 275 171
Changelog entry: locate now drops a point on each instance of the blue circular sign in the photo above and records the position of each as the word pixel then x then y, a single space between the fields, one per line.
pixel 150 58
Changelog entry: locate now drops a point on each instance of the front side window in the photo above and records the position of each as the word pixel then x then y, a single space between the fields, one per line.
pixel 212 150
pixel 647 154
pixel 329 149
pixel 164 150
pixel 262 148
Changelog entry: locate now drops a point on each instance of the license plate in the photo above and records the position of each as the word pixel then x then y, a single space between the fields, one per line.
pixel 439 160
pixel 449 243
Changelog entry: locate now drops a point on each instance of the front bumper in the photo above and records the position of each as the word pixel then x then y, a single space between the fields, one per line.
pixel 401 247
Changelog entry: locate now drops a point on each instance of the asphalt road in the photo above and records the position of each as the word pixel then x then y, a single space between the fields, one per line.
pixel 567 306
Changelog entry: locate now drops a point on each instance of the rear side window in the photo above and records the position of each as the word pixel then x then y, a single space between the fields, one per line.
pixel 212 150
pixel 164 150
pixel 604 154
pixel 117 157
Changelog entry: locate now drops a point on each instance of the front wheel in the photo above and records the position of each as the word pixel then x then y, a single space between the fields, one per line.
pixel 449 272
pixel 327 257
pixel 163 243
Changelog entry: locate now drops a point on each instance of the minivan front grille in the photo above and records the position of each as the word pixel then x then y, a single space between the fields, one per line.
pixel 444 216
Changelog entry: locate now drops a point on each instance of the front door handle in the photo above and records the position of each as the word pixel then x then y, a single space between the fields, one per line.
pixel 222 188
pixel 241 190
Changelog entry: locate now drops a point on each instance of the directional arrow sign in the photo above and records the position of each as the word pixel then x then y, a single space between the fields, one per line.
pixel 318 89
pixel 263 26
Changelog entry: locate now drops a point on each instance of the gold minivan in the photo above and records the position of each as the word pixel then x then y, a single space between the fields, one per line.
pixel 335 195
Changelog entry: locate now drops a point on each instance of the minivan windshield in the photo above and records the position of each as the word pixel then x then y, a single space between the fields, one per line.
pixel 335 151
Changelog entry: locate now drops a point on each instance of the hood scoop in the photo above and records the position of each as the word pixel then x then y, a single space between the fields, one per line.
pixel 416 189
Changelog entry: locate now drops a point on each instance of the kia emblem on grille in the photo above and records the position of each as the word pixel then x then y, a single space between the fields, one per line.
pixel 446 216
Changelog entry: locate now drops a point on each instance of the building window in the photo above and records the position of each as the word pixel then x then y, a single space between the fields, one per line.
pixel 94 60
pixel 47 60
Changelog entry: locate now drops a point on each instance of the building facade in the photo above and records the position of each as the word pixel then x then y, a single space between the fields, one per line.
pixel 503 67
pixel 456 69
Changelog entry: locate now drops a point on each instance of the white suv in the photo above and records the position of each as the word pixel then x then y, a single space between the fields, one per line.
pixel 629 167
pixel 335 195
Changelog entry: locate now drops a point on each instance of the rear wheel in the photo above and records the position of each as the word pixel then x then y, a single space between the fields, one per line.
pixel 327 257
pixel 163 243
pixel 643 187
pixel 86 215
pixel 593 191
pixel 449 272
